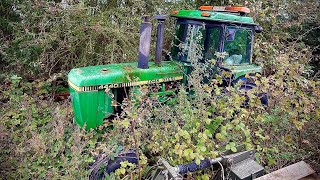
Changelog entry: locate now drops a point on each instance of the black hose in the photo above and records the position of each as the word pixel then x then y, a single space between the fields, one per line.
pixel 191 167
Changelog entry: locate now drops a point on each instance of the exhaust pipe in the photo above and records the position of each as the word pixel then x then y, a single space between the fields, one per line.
pixel 160 31
pixel 145 39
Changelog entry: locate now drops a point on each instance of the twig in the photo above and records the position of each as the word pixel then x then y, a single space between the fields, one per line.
pixel 136 147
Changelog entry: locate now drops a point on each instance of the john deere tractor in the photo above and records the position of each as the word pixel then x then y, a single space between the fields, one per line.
pixel 96 90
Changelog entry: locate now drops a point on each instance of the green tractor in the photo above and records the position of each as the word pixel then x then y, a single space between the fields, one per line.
pixel 96 91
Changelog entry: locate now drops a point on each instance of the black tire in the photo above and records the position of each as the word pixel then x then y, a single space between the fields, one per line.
pixel 246 86
pixel 107 166
pixel 115 164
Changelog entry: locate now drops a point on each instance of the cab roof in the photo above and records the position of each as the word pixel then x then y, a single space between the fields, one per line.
pixel 217 13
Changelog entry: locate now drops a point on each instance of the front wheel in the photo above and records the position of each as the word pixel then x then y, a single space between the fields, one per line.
pixel 108 165
pixel 247 85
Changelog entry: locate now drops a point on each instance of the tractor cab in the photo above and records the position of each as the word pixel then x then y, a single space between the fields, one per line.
pixel 224 34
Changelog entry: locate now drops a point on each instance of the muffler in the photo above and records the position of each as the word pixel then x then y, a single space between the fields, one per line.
pixel 145 39
pixel 160 32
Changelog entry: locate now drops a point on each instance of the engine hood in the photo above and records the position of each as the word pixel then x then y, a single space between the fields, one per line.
pixel 123 73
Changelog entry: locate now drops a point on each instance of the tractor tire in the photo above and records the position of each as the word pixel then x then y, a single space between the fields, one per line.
pixel 107 166
pixel 247 86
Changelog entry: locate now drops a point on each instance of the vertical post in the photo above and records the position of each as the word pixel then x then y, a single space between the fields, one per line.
pixel 145 39
pixel 160 31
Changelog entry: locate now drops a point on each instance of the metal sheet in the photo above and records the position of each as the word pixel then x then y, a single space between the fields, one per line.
pixel 246 169
pixel 293 172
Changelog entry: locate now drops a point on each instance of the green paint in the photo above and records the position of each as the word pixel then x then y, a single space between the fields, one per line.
pixel 122 73
pixel 92 106
pixel 242 70
pixel 214 16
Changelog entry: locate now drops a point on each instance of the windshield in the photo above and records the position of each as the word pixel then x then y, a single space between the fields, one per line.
pixel 236 44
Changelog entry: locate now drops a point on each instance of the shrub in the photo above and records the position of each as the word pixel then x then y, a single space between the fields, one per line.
pixel 39 140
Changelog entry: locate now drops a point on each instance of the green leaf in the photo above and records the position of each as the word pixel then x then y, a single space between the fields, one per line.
pixel 176 136
pixel 228 126
pixel 203 148
pixel 242 125
pixel 185 153
pixel 271 161
pixel 224 133
pixel 125 123
pixel 188 152
pixel 228 147
pixel 198 161
pixel 208 121
pixel 185 134
pixel 247 132
pixel 205 177
pixel 232 144
pixel 121 171
pixel 124 164
pixel 208 133
pixel 233 149
pixel 248 146
pixel 219 136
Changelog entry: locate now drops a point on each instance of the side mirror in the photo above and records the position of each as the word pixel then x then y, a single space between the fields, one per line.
pixel 258 29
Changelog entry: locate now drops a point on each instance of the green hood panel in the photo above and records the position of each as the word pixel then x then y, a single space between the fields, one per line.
pixel 241 70
pixel 122 73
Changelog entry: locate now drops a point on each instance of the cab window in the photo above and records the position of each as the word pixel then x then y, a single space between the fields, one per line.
pixel 212 41
pixel 179 38
pixel 188 35
pixel 237 45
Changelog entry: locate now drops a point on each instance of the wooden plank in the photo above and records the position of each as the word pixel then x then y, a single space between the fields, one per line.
pixel 293 172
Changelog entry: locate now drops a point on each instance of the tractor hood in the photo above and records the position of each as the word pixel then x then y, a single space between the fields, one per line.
pixel 241 70
pixel 122 75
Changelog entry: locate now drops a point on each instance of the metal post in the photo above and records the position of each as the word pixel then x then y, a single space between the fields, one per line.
pixel 145 39
pixel 160 31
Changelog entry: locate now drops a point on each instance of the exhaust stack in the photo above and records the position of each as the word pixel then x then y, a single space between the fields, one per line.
pixel 160 31
pixel 145 39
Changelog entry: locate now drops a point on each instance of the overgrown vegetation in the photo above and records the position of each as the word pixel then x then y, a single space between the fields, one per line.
pixel 45 39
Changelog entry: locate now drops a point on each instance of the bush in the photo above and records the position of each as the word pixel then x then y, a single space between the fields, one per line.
pixel 39 140
pixel 210 119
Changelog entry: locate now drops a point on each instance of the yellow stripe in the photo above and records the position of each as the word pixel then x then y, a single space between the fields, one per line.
pixel 128 84
pixel 73 86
